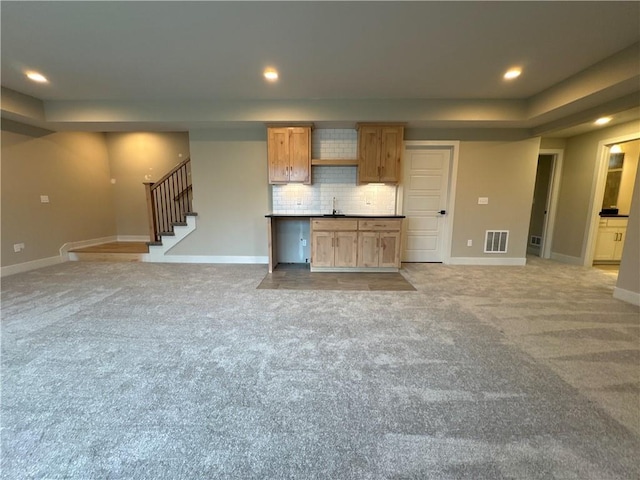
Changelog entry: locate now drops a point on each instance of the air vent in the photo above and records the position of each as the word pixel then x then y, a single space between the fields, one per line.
pixel 496 241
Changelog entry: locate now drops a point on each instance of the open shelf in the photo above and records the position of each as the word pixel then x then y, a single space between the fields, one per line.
pixel 340 162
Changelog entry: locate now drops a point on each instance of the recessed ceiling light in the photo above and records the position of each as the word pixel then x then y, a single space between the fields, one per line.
pixel 271 74
pixel 512 73
pixel 37 77
pixel 602 120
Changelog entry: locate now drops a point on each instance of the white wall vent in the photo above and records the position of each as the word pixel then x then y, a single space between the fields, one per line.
pixel 496 241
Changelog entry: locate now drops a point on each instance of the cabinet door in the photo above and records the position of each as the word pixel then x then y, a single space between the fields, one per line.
pixel 369 154
pixel 368 250
pixel 391 139
pixel 390 249
pixel 617 251
pixel 278 155
pixel 606 243
pixel 346 249
pixel 322 249
pixel 300 154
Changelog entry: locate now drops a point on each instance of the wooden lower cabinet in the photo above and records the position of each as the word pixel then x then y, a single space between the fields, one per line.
pixel 362 244
pixel 379 249
pixel 334 249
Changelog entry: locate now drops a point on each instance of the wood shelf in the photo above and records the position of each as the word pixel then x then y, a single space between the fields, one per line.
pixel 339 162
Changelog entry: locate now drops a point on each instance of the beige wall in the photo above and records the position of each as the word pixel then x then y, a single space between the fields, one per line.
pixel 552 143
pixel 136 158
pixel 73 170
pixel 573 214
pixel 505 173
pixel 230 194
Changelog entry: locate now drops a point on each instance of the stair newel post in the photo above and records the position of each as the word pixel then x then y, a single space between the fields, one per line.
pixel 151 212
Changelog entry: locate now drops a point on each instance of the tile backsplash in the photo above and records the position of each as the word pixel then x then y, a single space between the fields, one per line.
pixel 338 183
pixel 329 182
pixel 332 143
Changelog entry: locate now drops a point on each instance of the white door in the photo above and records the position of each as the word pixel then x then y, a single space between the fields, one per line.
pixel 426 185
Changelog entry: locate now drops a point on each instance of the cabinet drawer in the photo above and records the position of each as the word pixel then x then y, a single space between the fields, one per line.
pixel 334 225
pixel 378 225
pixel 617 222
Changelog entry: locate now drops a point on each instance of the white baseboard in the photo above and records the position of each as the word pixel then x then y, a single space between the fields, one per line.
pixel 133 238
pixel 64 250
pixel 627 296
pixel 28 266
pixel 507 262
pixel 208 259
pixel 559 257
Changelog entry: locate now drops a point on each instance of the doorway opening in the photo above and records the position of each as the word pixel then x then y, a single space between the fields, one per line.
pixel 619 172
pixel 543 207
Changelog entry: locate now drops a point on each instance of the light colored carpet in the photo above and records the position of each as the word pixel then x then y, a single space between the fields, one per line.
pixel 166 371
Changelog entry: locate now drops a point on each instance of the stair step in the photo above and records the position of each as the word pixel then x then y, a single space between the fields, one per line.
pixel 154 244
pixel 167 234
pixel 111 252
pixel 106 257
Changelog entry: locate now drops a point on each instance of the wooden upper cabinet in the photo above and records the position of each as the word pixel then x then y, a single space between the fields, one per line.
pixel 380 153
pixel 289 154
pixel 369 154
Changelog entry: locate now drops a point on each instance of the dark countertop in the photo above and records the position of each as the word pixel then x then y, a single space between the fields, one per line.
pixel 613 215
pixel 321 215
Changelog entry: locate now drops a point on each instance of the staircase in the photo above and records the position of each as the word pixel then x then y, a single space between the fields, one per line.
pixel 169 208
pixel 169 202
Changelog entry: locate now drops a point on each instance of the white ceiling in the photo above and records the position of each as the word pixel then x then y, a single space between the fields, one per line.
pixel 200 54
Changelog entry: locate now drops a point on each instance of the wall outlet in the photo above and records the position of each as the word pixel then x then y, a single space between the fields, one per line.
pixel 298 201
pixel 469 243
pixel 367 201
pixel 44 198
pixel 304 242
pixel 18 247
pixel 483 200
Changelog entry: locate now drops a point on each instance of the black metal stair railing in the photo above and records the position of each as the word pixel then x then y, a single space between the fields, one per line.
pixel 169 200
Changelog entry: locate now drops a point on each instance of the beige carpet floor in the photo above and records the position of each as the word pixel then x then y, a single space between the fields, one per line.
pixel 168 371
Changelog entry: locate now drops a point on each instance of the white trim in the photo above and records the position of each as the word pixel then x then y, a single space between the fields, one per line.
pixel 28 266
pixel 492 261
pixel 597 193
pixel 627 296
pixel 244 259
pixel 453 182
pixel 447 234
pixel 554 191
pixel 64 249
pixel 559 257
pixel 133 238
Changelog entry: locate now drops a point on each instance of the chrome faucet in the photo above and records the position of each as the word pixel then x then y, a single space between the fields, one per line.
pixel 334 206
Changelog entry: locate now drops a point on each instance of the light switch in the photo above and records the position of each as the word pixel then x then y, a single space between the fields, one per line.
pixel 44 198
pixel 483 200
